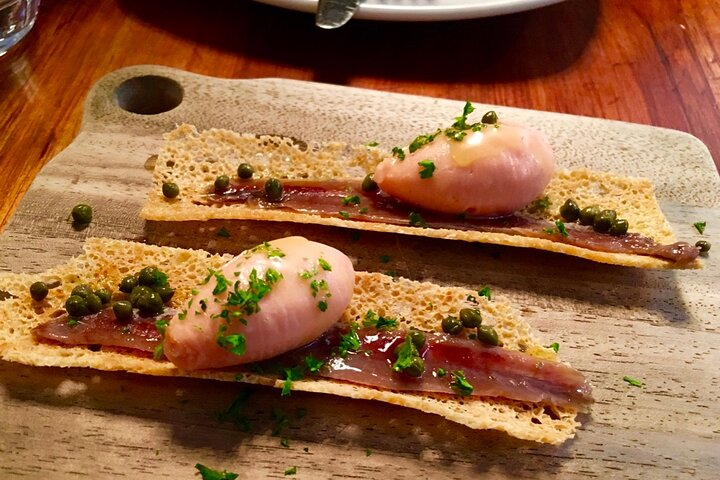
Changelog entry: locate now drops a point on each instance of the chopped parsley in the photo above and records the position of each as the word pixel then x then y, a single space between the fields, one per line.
pixel 440 372
pixel 291 471
pixel 539 205
pixel 209 474
pixel 460 384
pixel 246 301
pixel 221 282
pixel 416 220
pixel 324 265
pixel 384 258
pixel 161 325
pixel 399 153
pixel 312 365
pixel 291 374
pixel 372 144
pixel 422 140
pixel 554 346
pixel 485 292
pixel 363 210
pixel 558 229
pixel 71 322
pixel 349 342
pixel 269 250
pixel 427 168
pixel 700 227
pixel 368 452
pixel 322 305
pixel 351 200
pixel 471 299
pixel 405 352
pixel 285 442
pixel 633 382
pixel 372 319
pixel 344 214
pixel 233 343
pixel 223 232
pixel 158 352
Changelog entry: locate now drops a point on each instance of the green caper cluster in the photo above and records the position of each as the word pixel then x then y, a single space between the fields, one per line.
pixel 417 364
pixel 81 216
pixel 85 300
pixel 470 318
pixel 148 290
pixel 602 221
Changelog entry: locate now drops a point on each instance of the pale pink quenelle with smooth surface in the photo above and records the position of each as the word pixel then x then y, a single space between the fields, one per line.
pixel 303 287
pixel 492 172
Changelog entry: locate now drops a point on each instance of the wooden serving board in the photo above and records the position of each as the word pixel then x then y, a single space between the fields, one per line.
pixel 659 327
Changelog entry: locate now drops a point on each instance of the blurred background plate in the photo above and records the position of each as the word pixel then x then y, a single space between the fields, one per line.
pixel 424 10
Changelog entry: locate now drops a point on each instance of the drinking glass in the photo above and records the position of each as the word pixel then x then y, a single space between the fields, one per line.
pixel 17 17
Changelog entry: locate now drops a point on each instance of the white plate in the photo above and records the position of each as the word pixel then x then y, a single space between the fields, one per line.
pixel 424 10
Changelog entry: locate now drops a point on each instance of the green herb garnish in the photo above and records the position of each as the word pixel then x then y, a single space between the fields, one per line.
pixel 422 140
pixel 233 343
pixel 373 320
pixel 223 232
pixel 405 352
pixel 427 168
pixel 554 346
pixel 209 474
pixel 700 227
pixel 440 372
pixel 633 382
pixel 285 442
pixel 322 305
pixel 312 364
pixel 416 220
pixel 399 153
pixel 344 214
pixel 291 374
pixel 372 144
pixel 291 471
pixel 351 200
pixel 349 342
pixel 384 258
pixel 460 384
pixel 539 205
pixel 485 292
pixel 324 265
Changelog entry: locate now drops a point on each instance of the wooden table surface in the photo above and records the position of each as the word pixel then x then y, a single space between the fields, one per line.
pixel 655 63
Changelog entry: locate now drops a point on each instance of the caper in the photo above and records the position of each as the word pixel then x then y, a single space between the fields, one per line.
pixel 76 306
pixel 138 292
pixel 82 290
pixel 490 118
pixel 127 284
pixel 123 310
pixel 82 214
pixel 170 189
pixel 104 295
pixel 245 171
pixel 166 292
pixel 369 184
pixel 148 276
pixel 703 246
pixel 487 335
pixel 588 214
pixel 94 304
pixel 417 337
pixel 273 190
pixel 416 367
pixel 619 226
pixel 570 211
pixel 604 221
pixel 470 317
pixel 150 304
pixel 451 325
pixel 222 182
pixel 38 291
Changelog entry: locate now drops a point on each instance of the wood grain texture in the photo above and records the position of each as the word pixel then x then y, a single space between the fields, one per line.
pixel 657 326
pixel 654 63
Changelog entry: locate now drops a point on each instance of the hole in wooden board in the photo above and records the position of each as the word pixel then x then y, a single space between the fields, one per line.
pixel 148 94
